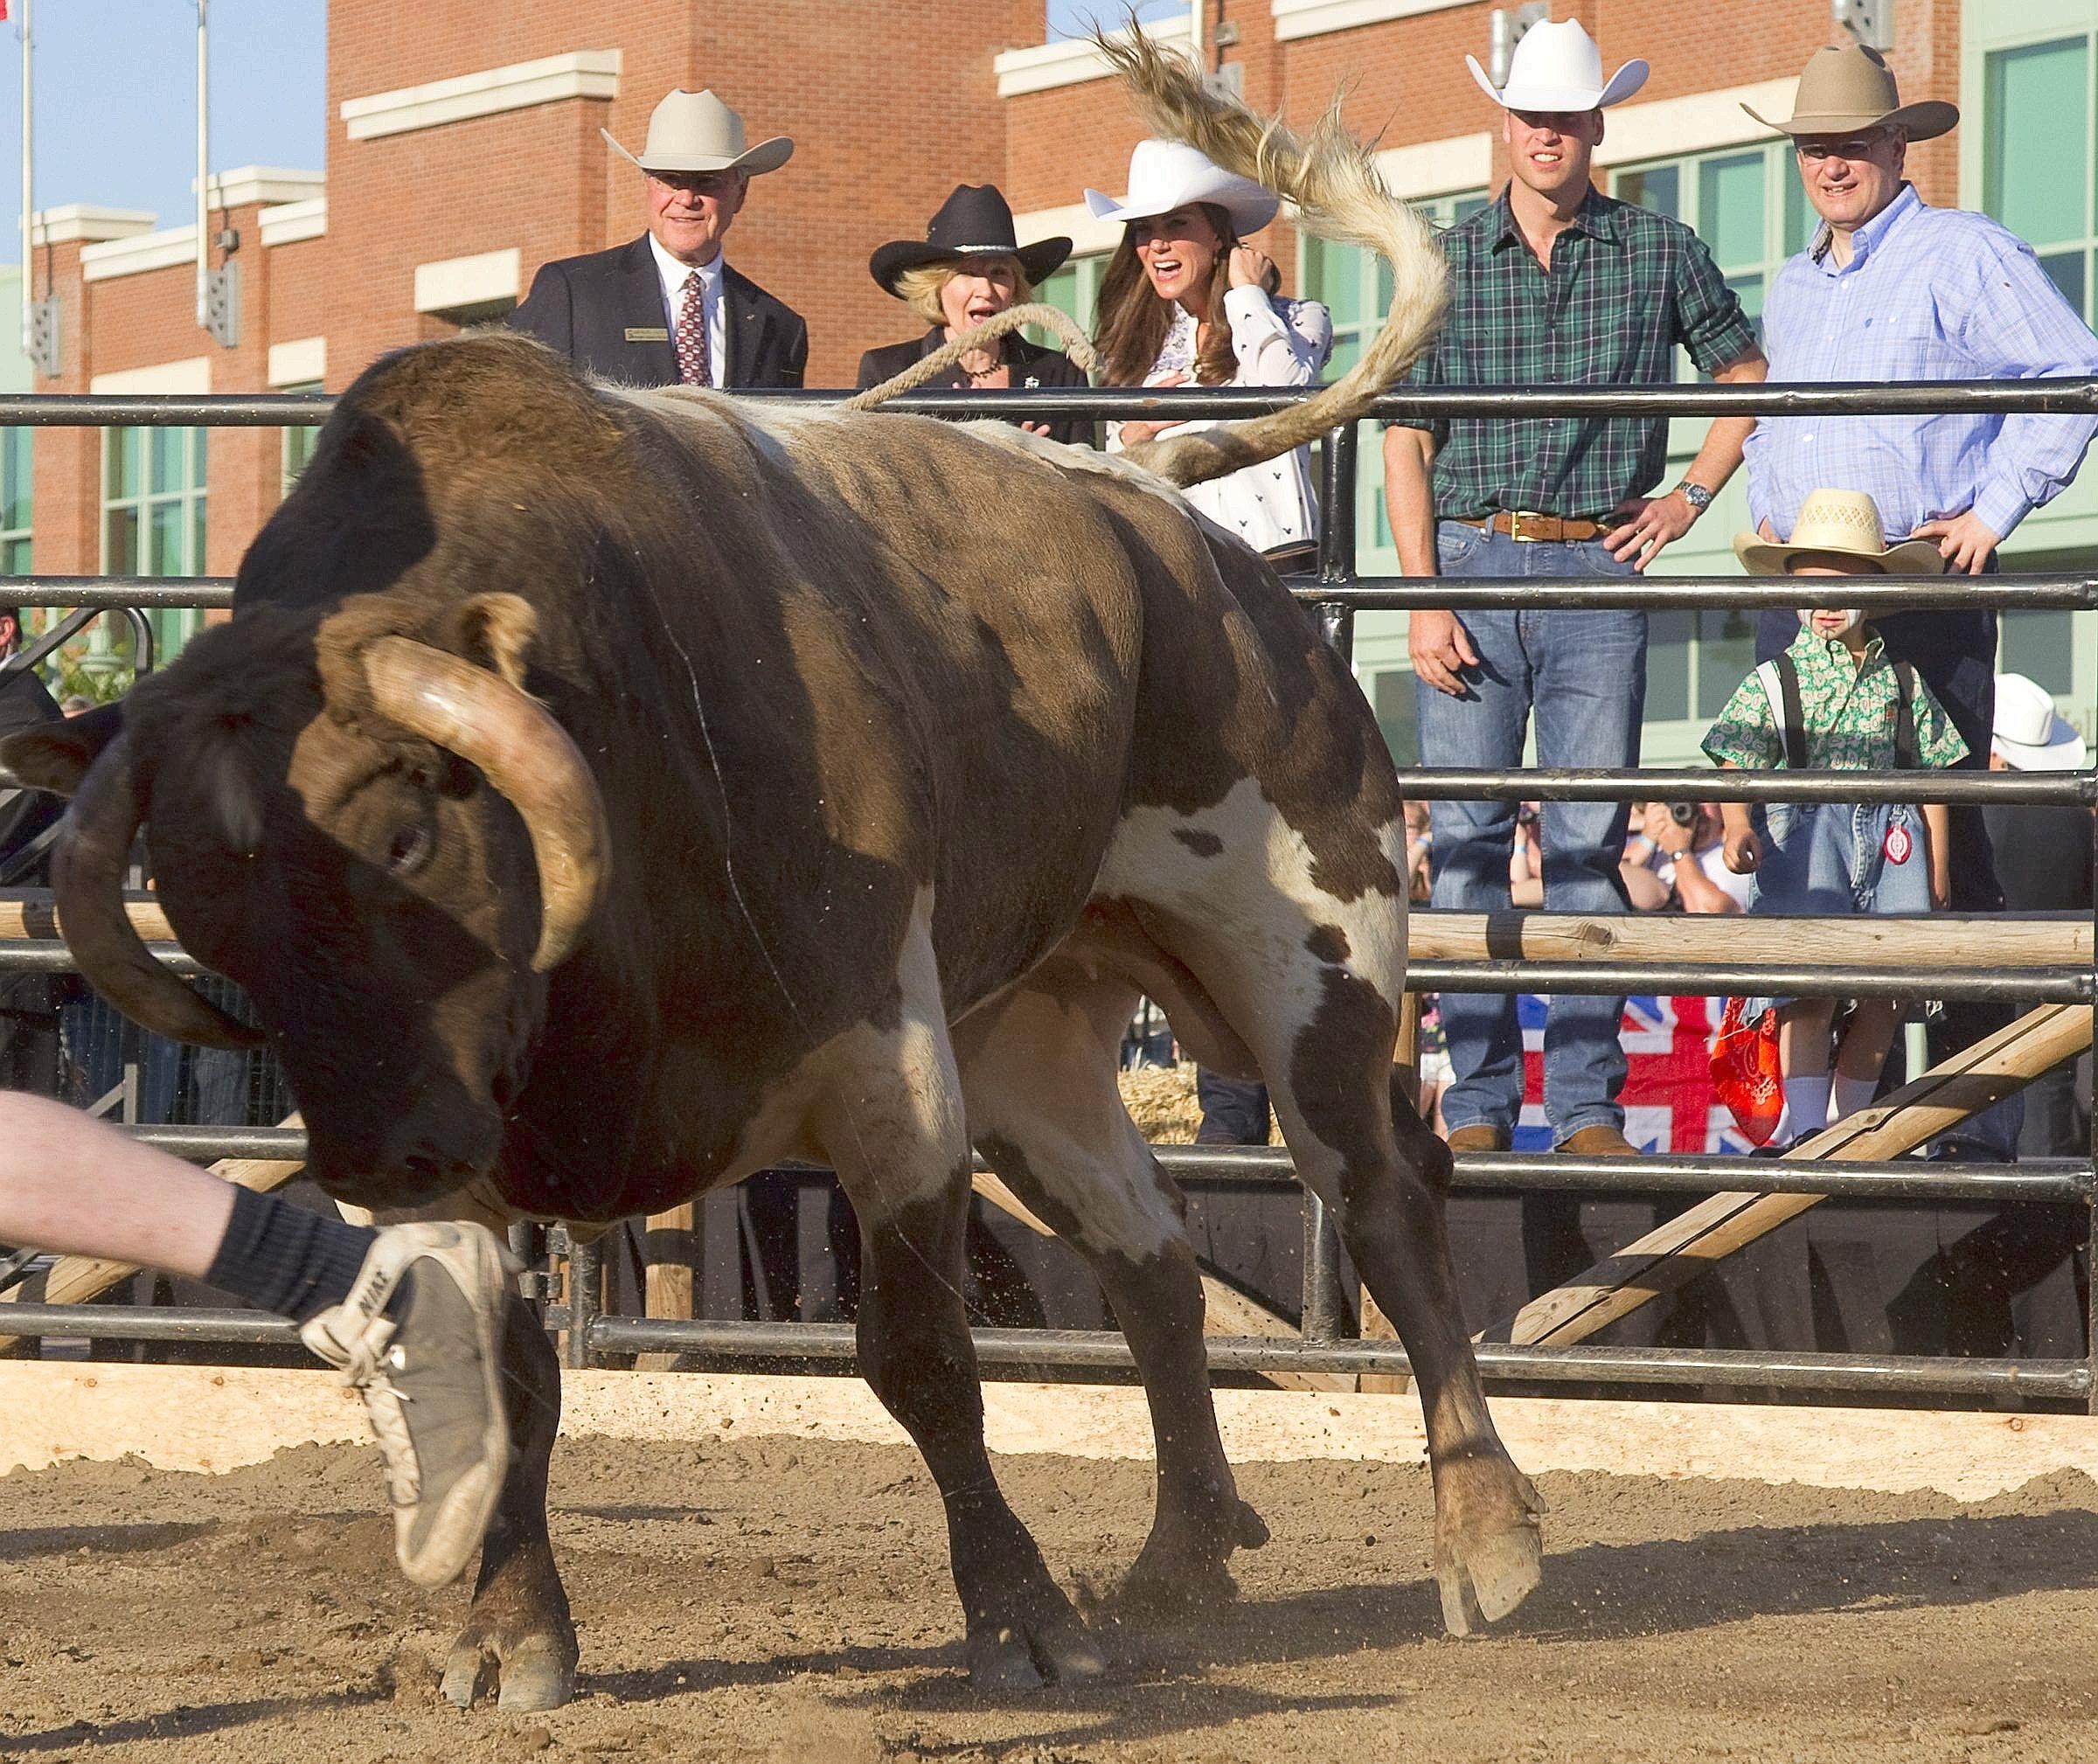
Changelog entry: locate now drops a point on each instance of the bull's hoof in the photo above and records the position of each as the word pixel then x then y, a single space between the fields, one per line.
pixel 1483 1579
pixel 1489 1551
pixel 531 1669
pixel 1182 1569
pixel 1036 1639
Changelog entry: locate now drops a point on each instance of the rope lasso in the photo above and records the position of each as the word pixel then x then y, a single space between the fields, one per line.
pixel 1075 343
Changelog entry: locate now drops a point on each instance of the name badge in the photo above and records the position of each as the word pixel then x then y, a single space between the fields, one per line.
pixel 648 333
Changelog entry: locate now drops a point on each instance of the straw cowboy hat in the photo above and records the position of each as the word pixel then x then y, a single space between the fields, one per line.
pixel 975 220
pixel 2031 734
pixel 1166 175
pixel 695 131
pixel 1559 67
pixel 1847 524
pixel 1852 88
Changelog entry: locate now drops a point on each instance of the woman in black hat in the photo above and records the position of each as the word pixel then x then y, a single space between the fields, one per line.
pixel 968 266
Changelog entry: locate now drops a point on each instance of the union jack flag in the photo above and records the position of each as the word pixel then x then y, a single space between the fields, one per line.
pixel 1669 1102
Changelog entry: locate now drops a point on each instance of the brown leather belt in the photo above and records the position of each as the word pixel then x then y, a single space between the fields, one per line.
pixel 1526 528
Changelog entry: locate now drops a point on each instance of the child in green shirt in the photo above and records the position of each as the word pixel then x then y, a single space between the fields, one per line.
pixel 1835 700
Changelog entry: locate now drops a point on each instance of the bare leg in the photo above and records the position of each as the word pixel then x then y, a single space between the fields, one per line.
pixel 73 1185
pixel 1802 1037
pixel 1866 1042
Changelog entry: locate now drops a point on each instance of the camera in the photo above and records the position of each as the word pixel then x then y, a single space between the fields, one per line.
pixel 1682 814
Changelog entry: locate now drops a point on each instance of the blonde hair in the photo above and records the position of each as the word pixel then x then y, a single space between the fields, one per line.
pixel 919 287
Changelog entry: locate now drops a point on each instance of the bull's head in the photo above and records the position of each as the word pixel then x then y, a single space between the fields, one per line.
pixel 374 829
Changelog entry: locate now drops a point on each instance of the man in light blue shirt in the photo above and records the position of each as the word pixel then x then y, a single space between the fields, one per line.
pixel 1892 289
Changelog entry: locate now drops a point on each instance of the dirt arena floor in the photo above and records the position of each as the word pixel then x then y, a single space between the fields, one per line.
pixel 775 1599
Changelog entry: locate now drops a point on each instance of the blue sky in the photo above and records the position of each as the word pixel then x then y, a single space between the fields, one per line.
pixel 1070 17
pixel 116 99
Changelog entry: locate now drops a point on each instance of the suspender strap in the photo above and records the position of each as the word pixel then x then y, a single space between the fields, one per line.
pixel 1781 691
pixel 1906 755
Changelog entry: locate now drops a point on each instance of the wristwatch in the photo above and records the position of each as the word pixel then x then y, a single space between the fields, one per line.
pixel 1677 856
pixel 1695 495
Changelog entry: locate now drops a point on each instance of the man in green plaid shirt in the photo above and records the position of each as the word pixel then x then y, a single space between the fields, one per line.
pixel 1552 284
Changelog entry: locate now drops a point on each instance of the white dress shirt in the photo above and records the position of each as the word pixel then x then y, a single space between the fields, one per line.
pixel 675 274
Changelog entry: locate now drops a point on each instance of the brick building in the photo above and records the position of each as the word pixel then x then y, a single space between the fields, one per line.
pixel 463 150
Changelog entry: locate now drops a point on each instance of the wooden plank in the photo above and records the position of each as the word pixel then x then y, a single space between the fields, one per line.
pixel 76 1279
pixel 1688 1245
pixel 1940 940
pixel 1947 941
pixel 668 1282
pixel 28 912
pixel 215 1419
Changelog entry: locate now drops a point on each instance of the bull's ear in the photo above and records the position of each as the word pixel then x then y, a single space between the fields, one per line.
pixel 56 756
pixel 496 632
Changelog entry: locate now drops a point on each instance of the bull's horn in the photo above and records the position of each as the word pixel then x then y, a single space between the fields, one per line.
pixel 525 754
pixel 87 876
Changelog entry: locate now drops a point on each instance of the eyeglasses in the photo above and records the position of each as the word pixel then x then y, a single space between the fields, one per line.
pixel 1851 147
pixel 698 182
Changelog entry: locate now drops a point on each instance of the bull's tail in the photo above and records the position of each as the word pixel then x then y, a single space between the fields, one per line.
pixel 1339 196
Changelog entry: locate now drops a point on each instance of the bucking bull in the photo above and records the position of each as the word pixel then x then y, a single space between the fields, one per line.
pixel 603 794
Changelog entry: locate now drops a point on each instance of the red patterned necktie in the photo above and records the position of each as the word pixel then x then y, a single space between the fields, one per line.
pixel 695 366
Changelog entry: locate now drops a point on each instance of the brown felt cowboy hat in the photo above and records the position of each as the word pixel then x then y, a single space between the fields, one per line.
pixel 695 131
pixel 1844 91
pixel 975 221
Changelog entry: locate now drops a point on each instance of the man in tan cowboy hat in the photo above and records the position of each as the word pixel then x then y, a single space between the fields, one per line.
pixel 1892 289
pixel 668 309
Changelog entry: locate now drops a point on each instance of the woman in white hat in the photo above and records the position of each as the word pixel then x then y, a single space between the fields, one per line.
pixel 1185 299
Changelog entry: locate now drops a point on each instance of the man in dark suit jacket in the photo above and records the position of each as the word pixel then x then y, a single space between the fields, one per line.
pixel 668 309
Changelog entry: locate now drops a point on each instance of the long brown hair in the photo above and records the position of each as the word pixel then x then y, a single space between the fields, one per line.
pixel 1130 323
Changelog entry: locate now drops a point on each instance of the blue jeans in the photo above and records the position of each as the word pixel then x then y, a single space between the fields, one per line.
pixel 1581 676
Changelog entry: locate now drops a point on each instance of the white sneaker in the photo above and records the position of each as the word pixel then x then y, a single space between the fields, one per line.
pixel 420 1339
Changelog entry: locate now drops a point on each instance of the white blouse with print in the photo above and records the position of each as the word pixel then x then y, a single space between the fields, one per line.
pixel 1277 343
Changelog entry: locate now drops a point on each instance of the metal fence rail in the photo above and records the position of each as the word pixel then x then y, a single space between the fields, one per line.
pixel 1333 595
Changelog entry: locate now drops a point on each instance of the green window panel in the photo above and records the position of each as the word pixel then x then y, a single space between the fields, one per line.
pixel 153 515
pixel 1073 290
pixel 298 442
pixel 2039 141
pixel 17 471
pixel 1355 286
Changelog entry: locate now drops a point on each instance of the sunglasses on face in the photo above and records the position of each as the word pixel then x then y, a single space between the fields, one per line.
pixel 698 182
pixel 1851 147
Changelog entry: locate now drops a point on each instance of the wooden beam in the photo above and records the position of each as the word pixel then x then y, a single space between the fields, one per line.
pixel 76 1279
pixel 28 912
pixel 1946 941
pixel 1688 1245
pixel 1940 940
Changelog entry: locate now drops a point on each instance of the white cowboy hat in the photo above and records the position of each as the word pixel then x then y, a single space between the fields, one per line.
pixel 1166 175
pixel 1559 67
pixel 695 131
pixel 1846 523
pixel 2031 734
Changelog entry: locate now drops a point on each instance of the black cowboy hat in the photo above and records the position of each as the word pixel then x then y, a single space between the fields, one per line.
pixel 975 221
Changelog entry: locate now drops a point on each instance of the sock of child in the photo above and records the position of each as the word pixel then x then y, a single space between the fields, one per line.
pixel 1854 1093
pixel 1806 1106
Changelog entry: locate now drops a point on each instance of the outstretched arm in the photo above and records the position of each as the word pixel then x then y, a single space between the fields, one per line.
pixel 75 1186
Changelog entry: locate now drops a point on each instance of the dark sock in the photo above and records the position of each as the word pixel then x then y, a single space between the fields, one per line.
pixel 285 1259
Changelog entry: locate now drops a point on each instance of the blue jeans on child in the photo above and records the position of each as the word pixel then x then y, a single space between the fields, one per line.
pixel 1583 677
pixel 1831 859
